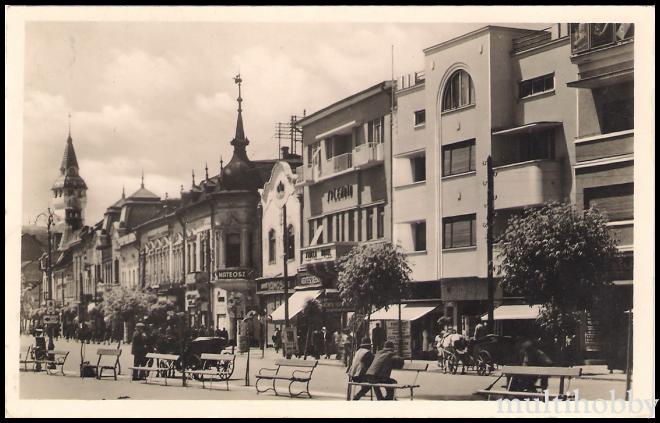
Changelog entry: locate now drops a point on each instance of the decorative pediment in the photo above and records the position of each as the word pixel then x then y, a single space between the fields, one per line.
pixel 281 174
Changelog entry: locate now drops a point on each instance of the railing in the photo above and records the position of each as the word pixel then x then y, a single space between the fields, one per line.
pixel 366 153
pixel 410 80
pixel 591 36
pixel 338 163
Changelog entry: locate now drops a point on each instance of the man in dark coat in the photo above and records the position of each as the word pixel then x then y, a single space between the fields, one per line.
pixel 378 336
pixel 361 362
pixel 381 368
pixel 139 349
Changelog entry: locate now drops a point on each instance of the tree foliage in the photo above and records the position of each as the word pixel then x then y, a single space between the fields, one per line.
pixel 125 304
pixel 161 312
pixel 372 276
pixel 558 257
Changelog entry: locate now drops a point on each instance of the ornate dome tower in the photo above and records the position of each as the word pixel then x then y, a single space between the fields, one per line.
pixel 69 190
pixel 240 173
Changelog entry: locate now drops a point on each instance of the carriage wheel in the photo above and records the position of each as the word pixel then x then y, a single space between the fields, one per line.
pixel 484 364
pixel 194 362
pixel 452 364
pixel 225 369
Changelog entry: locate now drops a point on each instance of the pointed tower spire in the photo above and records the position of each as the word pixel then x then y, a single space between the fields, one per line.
pixel 142 183
pixel 221 164
pixel 123 191
pixel 206 169
pixel 193 178
pixel 239 142
pixel 69 137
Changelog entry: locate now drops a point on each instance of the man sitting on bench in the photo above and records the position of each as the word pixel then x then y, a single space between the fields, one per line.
pixel 361 362
pixel 381 369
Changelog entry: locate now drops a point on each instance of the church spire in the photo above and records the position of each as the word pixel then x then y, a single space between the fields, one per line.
pixel 142 183
pixel 193 178
pixel 69 139
pixel 239 142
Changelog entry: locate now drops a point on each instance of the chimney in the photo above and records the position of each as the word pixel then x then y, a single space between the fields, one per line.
pixel 285 152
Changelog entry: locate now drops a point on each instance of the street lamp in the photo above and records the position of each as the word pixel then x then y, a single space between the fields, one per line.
pixel 49 270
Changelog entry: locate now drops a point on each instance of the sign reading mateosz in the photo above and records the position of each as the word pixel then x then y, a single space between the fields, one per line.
pixel 234 274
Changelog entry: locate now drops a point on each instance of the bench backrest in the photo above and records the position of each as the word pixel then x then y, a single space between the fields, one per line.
pixel 158 356
pixel 58 352
pixel 217 357
pixel 418 367
pixel 108 352
pixel 541 371
pixel 295 363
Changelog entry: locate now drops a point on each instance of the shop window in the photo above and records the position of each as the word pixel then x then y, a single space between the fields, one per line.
pixel 233 250
pixel 459 91
pixel 614 201
pixel 418 165
pixel 271 246
pixel 458 158
pixel 420 117
pixel 537 85
pixel 291 243
pixel 419 236
pixel 459 231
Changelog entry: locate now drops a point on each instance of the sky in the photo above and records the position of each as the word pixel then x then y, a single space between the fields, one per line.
pixel 159 97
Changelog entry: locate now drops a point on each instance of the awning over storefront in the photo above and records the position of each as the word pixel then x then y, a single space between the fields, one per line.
pixel 530 127
pixel 515 312
pixel 409 312
pixel 296 304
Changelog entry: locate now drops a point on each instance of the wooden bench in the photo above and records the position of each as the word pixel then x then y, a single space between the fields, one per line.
pixel 215 367
pixel 297 375
pixel 58 359
pixel 161 364
pixel 28 359
pixel 109 364
pixel 409 367
pixel 512 372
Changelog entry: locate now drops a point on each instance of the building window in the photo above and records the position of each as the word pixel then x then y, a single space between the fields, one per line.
pixel 370 224
pixel 380 222
pixel 459 91
pixel 419 236
pixel 376 130
pixel 271 246
pixel 420 117
pixel 537 146
pixel 233 250
pixel 614 201
pixel 418 165
pixel 458 158
pixel 459 231
pixel 615 105
pixel 331 232
pixel 291 243
pixel 537 85
pixel 586 36
pixel 351 226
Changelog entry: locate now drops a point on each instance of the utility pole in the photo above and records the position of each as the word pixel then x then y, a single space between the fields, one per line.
pixel 490 214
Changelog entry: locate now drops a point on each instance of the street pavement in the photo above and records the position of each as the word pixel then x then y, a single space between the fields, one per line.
pixel 328 382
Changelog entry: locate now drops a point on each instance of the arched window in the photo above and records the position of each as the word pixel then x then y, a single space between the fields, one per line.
pixel 271 246
pixel 290 243
pixel 459 91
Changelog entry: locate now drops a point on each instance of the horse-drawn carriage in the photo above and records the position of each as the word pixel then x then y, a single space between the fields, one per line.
pixel 481 355
pixel 191 359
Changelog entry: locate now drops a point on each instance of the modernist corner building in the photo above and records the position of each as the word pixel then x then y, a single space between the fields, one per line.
pixel 554 110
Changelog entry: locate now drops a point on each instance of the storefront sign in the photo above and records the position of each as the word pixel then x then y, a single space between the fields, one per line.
pixel 274 285
pixel 340 193
pixel 592 341
pixel 392 330
pixel 234 274
pixel 308 280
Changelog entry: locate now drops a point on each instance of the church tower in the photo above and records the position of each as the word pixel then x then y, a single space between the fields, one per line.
pixel 69 190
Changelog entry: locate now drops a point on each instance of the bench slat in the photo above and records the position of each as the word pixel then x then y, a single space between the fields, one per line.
pixel 541 371
pixel 420 367
pixel 163 356
pixel 105 351
pixel 295 363
pixel 224 357
pixel 520 394
pixel 384 385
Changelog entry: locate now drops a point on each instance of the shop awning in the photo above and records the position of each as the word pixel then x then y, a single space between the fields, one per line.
pixel 515 312
pixel 409 312
pixel 530 127
pixel 296 304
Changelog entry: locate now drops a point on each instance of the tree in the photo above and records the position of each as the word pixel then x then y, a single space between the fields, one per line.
pixel 126 305
pixel 372 276
pixel 559 257
pixel 312 315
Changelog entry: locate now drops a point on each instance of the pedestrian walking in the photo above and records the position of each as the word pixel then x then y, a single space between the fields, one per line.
pixel 346 340
pixel 378 336
pixel 317 343
pixel 361 363
pixel 336 337
pixel 139 349
pixel 381 368
pixel 277 340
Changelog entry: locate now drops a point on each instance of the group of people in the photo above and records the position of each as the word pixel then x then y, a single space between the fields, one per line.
pixel 371 367
pixel 321 343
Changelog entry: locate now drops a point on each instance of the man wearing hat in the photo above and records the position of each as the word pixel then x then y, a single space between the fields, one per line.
pixel 139 350
pixel 361 362
pixel 381 368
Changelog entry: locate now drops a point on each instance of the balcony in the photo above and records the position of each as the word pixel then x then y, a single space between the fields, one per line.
pixel 588 37
pixel 367 154
pixel 527 183
pixel 338 164
pixel 604 145
pixel 324 253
